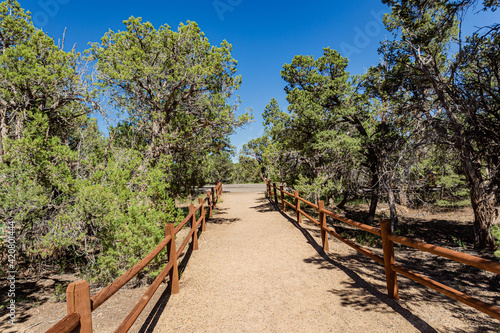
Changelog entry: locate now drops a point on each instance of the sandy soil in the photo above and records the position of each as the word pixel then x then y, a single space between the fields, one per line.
pixel 257 270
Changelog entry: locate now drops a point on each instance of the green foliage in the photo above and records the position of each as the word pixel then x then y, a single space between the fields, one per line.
pixel 93 204
pixel 424 121
pixel 59 293
pixel 106 221
pixel 247 170
pixel 310 190
pixel 257 149
pixel 308 140
pixel 495 230
pixel 361 238
pixel 447 86
pixel 335 139
pixel 39 81
pixel 368 239
pixel 220 169
pixel 175 86
pixel 460 243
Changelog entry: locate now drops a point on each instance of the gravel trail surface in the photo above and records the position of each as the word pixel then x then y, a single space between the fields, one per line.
pixel 257 270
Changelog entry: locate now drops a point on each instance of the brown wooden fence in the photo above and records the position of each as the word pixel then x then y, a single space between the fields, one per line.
pixel 79 303
pixel 388 239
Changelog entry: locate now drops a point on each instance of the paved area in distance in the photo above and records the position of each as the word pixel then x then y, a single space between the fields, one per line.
pixel 239 188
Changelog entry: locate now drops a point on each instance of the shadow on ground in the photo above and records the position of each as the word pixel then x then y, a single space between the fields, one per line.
pixel 29 293
pixel 217 219
pixel 154 316
pixel 451 234
pixel 264 206
pixel 359 294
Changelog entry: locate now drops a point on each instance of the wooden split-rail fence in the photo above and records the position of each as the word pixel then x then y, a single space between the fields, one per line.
pixel 388 239
pixel 79 303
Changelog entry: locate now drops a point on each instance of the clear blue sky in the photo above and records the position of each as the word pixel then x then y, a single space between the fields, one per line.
pixel 264 34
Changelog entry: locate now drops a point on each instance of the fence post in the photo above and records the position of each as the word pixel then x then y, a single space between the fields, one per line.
pixel 213 197
pixel 194 228
pixel 282 197
pixel 209 202
pixel 322 221
pixel 389 259
pixel 275 194
pixel 297 206
pixel 268 183
pixel 78 300
pixel 201 201
pixel 202 212
pixel 172 257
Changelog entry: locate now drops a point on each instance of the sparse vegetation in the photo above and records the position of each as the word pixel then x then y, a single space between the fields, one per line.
pixel 59 294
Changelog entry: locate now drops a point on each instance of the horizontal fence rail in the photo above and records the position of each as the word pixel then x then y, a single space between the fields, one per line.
pixel 79 303
pixel 389 260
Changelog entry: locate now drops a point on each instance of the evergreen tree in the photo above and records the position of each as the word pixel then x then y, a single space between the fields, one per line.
pixel 449 84
pixel 176 88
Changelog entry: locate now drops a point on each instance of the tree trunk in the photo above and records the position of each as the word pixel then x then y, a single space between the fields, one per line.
pixel 373 205
pixel 373 164
pixel 483 203
pixel 262 173
pixel 345 199
pixel 484 216
pixel 496 219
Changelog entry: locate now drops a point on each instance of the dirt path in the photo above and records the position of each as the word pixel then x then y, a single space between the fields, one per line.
pixel 257 271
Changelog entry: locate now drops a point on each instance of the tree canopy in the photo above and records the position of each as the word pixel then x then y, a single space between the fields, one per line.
pixel 99 203
pixel 426 118
pixel 455 93
pixel 435 94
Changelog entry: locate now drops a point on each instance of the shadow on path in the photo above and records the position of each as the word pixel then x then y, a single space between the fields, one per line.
pixel 359 282
pixel 154 316
pixel 216 219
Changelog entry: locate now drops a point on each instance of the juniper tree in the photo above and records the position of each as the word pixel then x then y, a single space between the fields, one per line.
pixel 451 84
pixel 332 125
pixel 175 87
pixel 73 196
